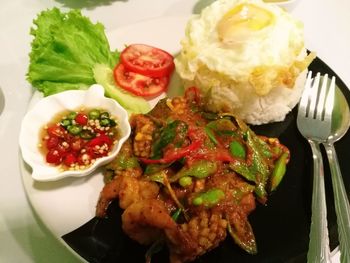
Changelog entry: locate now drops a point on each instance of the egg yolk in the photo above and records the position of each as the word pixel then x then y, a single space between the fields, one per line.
pixel 243 19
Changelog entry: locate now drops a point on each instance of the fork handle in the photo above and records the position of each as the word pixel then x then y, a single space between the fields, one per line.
pixel 341 201
pixel 319 240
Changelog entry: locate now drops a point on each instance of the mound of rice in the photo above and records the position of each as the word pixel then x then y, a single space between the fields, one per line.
pixel 256 74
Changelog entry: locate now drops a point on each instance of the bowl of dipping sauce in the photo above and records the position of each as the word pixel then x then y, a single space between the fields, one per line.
pixel 72 133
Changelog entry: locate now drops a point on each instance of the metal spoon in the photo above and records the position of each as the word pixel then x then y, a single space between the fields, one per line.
pixel 340 125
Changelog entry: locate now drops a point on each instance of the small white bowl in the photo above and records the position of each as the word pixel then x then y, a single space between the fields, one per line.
pixel 43 112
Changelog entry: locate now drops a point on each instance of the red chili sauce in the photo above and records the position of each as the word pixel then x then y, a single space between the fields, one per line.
pixel 74 140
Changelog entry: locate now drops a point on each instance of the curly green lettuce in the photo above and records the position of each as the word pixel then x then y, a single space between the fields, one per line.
pixel 67 53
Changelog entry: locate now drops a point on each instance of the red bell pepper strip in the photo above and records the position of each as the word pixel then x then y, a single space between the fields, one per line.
pixel 175 154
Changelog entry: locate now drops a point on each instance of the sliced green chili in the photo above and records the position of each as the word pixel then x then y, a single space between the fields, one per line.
pixel 86 134
pixel 72 115
pixel 105 122
pixel 65 122
pixel 104 115
pixel 74 129
pixel 94 114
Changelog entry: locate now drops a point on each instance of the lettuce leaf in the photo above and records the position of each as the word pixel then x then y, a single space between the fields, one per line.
pixel 65 51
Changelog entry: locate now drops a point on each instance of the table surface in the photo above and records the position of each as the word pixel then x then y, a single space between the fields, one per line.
pixel 23 237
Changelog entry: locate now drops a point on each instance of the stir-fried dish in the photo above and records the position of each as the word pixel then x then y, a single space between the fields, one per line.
pixel 187 177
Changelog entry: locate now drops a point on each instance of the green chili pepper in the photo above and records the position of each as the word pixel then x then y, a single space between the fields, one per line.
pixel 104 115
pixel 200 169
pixel 94 114
pixel 65 122
pixel 86 134
pixel 185 181
pixel 74 129
pixel 71 115
pixel 278 171
pixel 237 150
pixel 210 198
pixel 112 123
pixel 104 122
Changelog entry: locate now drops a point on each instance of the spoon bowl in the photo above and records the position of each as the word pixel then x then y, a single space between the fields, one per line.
pixel 340 117
pixel 339 126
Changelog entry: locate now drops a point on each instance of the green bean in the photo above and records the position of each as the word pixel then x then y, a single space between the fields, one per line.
pixel 94 114
pixel 209 198
pixel 200 169
pixel 74 129
pixel 278 171
pixel 237 150
pixel 185 181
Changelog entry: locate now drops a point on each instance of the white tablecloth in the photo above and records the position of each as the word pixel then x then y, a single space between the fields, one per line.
pixel 22 237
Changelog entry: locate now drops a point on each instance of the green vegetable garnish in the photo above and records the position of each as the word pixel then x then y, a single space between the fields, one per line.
pixel 94 114
pixel 209 198
pixel 65 122
pixel 74 129
pixel 70 52
pixel 237 149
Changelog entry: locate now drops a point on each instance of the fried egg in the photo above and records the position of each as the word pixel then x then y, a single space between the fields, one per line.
pixel 236 50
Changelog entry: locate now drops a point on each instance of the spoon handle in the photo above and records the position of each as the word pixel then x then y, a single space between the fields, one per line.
pixel 342 207
pixel 319 240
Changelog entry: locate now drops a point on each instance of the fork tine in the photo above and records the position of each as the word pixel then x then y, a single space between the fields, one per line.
pixel 322 98
pixel 313 96
pixel 305 96
pixel 330 100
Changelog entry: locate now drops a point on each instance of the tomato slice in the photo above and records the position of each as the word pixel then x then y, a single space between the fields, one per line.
pixel 138 84
pixel 147 60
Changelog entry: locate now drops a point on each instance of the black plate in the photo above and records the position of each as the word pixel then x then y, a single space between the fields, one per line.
pixel 281 228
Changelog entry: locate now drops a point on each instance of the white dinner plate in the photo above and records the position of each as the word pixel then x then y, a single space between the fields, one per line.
pixel 66 204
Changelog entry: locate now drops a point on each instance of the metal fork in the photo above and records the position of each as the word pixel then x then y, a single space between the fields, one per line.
pixel 314 123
